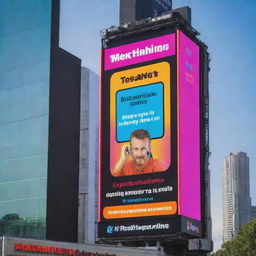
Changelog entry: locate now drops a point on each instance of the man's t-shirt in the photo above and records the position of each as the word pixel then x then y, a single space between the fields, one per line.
pixel 153 165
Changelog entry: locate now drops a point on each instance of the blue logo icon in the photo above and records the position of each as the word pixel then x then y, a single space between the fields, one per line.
pixel 110 229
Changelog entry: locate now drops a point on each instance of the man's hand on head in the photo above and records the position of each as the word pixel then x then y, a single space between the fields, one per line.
pixel 125 152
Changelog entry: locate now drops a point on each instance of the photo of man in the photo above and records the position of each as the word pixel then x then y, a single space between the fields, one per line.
pixel 137 158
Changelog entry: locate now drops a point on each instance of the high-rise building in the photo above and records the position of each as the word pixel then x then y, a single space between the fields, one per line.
pixel 236 194
pixel 39 124
pixel 132 10
pixel 253 212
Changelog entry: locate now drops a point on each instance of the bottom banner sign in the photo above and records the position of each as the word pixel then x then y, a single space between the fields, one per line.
pixel 162 227
pixel 139 228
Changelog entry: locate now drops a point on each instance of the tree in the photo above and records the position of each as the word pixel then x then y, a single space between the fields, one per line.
pixel 246 240
pixel 243 245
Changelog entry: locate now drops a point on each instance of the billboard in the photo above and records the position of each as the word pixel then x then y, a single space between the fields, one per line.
pixel 149 163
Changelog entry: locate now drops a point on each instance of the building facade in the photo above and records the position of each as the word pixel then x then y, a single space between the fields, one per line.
pixel 39 124
pixel 236 194
pixel 24 91
pixel 132 10
pixel 88 173
pixel 253 212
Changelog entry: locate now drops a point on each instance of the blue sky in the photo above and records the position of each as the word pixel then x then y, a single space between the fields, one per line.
pixel 228 28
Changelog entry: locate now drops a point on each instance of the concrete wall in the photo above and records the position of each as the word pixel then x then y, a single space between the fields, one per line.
pixel 87 212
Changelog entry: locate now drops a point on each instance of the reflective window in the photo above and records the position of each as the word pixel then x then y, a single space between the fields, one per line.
pixel 25 33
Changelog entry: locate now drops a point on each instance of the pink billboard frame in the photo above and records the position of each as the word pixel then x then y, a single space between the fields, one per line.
pixel 189 178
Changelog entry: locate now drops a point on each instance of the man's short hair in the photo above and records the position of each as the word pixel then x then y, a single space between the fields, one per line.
pixel 140 134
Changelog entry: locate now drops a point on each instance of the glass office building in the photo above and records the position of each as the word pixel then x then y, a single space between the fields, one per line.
pixel 25 41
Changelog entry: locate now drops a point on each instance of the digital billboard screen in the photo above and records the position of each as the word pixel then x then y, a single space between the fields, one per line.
pixel 137 108
pixel 142 169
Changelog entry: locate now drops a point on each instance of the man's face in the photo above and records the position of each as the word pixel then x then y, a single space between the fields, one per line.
pixel 140 149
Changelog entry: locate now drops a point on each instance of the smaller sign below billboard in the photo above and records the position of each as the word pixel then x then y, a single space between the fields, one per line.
pixel 122 229
pixel 200 244
pixel 191 227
